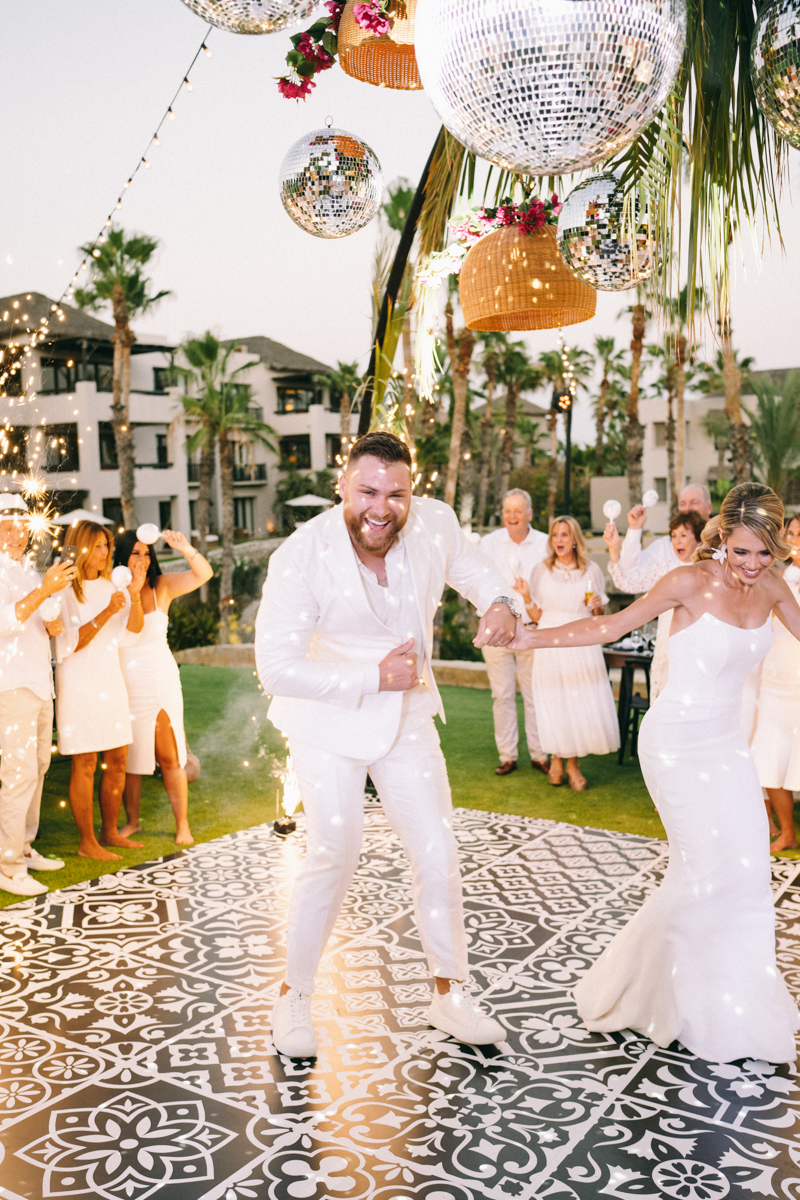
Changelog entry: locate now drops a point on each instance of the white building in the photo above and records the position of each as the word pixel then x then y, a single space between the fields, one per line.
pixel 58 411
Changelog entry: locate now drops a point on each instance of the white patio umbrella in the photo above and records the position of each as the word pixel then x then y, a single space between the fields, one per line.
pixel 80 514
pixel 308 501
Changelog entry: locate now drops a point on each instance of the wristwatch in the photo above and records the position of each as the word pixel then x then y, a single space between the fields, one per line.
pixel 511 604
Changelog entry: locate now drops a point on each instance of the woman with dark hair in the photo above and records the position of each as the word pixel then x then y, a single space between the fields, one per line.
pixel 153 679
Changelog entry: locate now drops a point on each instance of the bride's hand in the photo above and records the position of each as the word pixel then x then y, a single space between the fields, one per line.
pixel 524 639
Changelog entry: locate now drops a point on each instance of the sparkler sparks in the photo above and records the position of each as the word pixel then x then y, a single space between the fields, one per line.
pixel 33 486
pixel 41 525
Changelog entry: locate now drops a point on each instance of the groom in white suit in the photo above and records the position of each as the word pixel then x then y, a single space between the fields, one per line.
pixel 344 637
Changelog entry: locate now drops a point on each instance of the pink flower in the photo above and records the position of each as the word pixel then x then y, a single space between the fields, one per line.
pixel 313 52
pixel 554 199
pixel 336 10
pixel 295 91
pixel 370 17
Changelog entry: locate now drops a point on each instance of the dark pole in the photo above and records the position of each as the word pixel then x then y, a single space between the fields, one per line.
pixel 393 285
pixel 568 456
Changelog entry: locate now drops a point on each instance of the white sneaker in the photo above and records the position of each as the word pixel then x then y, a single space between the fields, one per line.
pixel 292 1027
pixel 458 1014
pixel 21 884
pixel 37 862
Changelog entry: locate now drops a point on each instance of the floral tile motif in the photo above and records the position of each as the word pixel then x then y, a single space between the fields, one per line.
pixel 136 1056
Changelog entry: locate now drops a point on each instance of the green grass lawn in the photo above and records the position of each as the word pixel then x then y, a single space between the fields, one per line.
pixel 227 727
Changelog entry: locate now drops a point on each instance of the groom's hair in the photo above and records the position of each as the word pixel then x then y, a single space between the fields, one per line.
pixel 380 444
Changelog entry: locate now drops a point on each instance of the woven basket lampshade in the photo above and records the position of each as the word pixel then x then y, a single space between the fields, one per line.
pixel 513 281
pixel 387 61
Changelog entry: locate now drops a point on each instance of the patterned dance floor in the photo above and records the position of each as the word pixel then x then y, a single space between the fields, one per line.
pixel 136 1058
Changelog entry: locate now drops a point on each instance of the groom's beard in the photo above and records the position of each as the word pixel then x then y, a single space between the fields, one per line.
pixel 372 541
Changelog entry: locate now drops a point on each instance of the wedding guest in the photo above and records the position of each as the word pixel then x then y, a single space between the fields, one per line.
pixel 685 530
pixel 91 698
pixel 573 697
pixel 515 550
pixel 776 740
pixel 154 681
pixel 695 497
pixel 26 698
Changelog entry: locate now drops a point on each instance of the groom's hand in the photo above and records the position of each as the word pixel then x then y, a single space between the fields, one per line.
pixel 497 627
pixel 399 669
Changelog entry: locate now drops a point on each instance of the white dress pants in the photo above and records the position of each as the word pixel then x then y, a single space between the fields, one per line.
pixel 502 667
pixel 415 793
pixel 26 736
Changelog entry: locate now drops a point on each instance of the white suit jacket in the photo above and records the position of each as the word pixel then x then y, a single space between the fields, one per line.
pixel 318 642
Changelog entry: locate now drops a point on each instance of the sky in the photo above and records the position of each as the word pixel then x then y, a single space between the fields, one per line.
pixel 86 83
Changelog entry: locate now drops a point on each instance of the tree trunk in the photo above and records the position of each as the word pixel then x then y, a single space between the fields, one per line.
pixel 738 432
pixel 487 422
pixel 680 397
pixel 670 439
pixel 509 433
pixel 459 369
pixel 123 339
pixel 226 609
pixel 552 466
pixel 409 391
pixel 467 482
pixel 635 433
pixel 344 413
pixel 203 504
pixel 600 417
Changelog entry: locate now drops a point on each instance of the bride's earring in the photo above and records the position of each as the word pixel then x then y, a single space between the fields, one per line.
pixel 721 553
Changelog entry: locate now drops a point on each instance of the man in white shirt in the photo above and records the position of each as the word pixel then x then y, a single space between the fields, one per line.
pixel 26 698
pixel 694 498
pixel 515 550
pixel 345 619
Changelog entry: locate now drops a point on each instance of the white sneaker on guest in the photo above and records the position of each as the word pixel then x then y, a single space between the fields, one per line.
pixel 292 1027
pixel 455 1012
pixel 35 861
pixel 21 884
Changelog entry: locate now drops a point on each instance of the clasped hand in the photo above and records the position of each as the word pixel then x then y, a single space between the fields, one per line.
pixel 497 627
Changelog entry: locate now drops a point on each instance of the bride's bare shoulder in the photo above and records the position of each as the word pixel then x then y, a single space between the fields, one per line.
pixel 699 576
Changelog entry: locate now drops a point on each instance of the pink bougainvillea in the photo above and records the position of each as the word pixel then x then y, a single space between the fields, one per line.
pixel 372 17
pixel 295 91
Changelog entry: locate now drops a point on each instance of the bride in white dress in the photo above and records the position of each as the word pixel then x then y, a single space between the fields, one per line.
pixel 697 963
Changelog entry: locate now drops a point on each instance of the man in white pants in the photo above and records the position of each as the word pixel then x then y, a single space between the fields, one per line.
pixel 515 550
pixel 343 644
pixel 26 699
pixel 694 498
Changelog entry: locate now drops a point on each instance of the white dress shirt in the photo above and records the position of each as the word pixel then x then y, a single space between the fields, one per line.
pixel 658 554
pixel 515 559
pixel 24 648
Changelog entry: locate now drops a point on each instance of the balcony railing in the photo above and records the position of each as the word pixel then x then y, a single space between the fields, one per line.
pixel 193 472
pixel 156 466
pixel 254 473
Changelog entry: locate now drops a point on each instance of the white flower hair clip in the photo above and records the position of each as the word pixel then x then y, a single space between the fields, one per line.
pixel 721 553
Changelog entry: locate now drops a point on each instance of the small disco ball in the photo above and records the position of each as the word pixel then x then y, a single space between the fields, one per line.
pixel 548 86
pixel 594 241
pixel 775 67
pixel 331 183
pixel 252 16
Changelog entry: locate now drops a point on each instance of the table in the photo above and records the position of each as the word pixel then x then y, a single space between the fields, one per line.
pixel 627 661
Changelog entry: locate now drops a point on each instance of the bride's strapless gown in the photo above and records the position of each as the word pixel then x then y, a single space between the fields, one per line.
pixel 697 962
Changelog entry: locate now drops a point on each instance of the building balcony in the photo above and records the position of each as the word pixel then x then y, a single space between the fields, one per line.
pixel 255 473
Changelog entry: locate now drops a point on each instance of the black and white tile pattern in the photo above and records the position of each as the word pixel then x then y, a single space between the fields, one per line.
pixel 136 1058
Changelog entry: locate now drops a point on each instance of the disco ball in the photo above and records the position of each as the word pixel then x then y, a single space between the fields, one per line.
pixel 775 67
pixel 594 241
pixel 253 16
pixel 331 183
pixel 548 86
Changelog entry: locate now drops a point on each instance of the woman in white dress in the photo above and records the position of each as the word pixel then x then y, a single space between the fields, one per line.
pixel 154 681
pixel 776 740
pixel 685 530
pixel 697 962
pixel 91 701
pixel 573 698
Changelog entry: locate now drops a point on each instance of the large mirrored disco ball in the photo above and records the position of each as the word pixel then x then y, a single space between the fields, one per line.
pixel 253 16
pixel 775 67
pixel 548 86
pixel 594 236
pixel 331 183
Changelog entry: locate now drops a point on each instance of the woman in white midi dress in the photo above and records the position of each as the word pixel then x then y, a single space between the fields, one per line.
pixel 775 744
pixel 91 701
pixel 697 963
pixel 574 703
pixel 153 680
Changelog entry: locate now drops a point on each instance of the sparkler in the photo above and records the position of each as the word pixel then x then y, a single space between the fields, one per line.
pixel 41 525
pixel 33 486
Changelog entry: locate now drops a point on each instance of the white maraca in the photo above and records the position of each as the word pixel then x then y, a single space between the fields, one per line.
pixel 649 499
pixel 50 609
pixel 121 576
pixel 612 509
pixel 148 533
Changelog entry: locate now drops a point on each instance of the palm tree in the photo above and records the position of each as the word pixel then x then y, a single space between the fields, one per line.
pixel 611 360
pixel 345 380
pixel 518 374
pixel 634 444
pixel 493 344
pixel 664 384
pixel 459 349
pixel 218 406
pixel 726 376
pixel 715 424
pixel 775 427
pixel 119 280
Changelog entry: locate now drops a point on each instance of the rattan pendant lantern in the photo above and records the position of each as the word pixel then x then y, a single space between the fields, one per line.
pixel 387 60
pixel 512 280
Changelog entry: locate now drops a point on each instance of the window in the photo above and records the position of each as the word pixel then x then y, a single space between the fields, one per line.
pixel 661 487
pixel 61 375
pixel 163 378
pixel 192 509
pixel 243 514
pixel 660 431
pixel 162 452
pixel 14 448
pixel 295 399
pixel 333 449
pixel 256 412
pixel 59 447
pixel 112 508
pixel 295 452
pixel 165 514
pixel 108 447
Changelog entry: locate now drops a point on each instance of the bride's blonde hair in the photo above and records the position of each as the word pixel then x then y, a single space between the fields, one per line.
pixel 758 509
